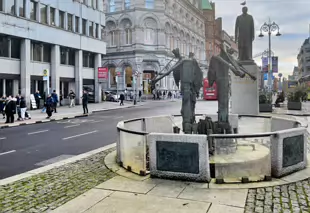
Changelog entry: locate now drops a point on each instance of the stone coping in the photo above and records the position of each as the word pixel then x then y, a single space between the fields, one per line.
pixel 110 162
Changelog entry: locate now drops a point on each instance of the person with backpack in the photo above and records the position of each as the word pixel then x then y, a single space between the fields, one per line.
pixel 55 100
pixel 72 99
pixel 49 104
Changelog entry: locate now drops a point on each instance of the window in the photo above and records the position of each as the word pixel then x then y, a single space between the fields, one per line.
pixel 43 13
pixel 63 55
pixel 112 6
pixel 149 36
pixel 15 48
pixel 33 10
pixel 88 60
pixel 97 31
pixel 4 46
pixel 11 6
pixel 112 38
pixel 62 19
pixel 84 25
pixel 128 76
pixel 127 4
pixel 128 36
pixel 112 76
pixel 52 16
pixel 21 7
pixel 70 22
pixel 71 55
pixel 102 32
pixel 36 51
pixel 149 4
pixel 46 53
pixel 1 9
pixel 91 28
pixel 77 24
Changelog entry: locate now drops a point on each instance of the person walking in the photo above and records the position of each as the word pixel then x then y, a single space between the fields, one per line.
pixel 49 105
pixel 72 99
pixel 2 106
pixel 10 110
pixel 140 95
pixel 23 107
pixel 85 102
pixel 37 98
pixel 55 100
pixel 121 98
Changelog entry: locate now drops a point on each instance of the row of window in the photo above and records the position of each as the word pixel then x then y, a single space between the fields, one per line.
pixel 149 4
pixel 10 48
pixel 67 21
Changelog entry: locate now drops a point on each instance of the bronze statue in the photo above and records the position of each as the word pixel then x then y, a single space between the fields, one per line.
pixel 188 72
pixel 244 35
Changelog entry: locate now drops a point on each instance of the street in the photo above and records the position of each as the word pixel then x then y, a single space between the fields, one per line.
pixel 28 147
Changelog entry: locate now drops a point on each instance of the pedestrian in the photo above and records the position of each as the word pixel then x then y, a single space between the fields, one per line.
pixel 140 95
pixel 49 105
pixel 23 107
pixel 154 94
pixel 122 97
pixel 60 98
pixel 2 105
pixel 10 110
pixel 85 102
pixel 37 98
pixel 72 99
pixel 55 101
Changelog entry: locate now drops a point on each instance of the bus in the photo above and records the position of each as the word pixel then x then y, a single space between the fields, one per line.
pixel 209 93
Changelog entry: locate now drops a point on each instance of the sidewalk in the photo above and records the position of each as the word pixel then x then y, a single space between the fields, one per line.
pixel 66 112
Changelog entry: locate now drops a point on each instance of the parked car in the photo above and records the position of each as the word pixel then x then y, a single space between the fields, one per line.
pixel 111 96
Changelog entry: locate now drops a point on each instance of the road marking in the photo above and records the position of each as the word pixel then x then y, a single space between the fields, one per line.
pixel 2 139
pixel 53 160
pixel 92 122
pixel 71 126
pixel 75 136
pixel 5 153
pixel 32 133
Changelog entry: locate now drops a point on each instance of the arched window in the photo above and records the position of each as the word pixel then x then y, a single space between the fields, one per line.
pixel 171 42
pixel 128 36
pixel 112 38
pixel 128 76
pixel 112 76
pixel 150 33
pixel 112 6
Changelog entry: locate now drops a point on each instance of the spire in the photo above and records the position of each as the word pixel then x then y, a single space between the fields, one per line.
pixel 205 4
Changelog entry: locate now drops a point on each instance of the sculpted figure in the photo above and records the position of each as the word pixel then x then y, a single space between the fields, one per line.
pixel 244 35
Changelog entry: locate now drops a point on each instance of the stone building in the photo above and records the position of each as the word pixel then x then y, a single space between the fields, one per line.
pixel 304 59
pixel 213 30
pixel 229 43
pixel 61 36
pixel 140 36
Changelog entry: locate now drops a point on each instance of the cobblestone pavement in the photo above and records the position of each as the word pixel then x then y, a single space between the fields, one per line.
pixel 290 198
pixel 51 189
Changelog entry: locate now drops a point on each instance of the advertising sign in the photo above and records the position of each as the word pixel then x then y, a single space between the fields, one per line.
pixel 274 60
pixel 265 64
pixel 45 75
pixel 292 84
pixel 102 74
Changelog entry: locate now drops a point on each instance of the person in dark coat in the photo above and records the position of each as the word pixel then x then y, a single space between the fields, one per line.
pixel 10 110
pixel 122 98
pixel 49 106
pixel 2 106
pixel 85 102
pixel 37 97
pixel 55 99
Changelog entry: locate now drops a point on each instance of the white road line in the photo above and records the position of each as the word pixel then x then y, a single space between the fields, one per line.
pixel 2 139
pixel 71 126
pixel 32 133
pixel 96 121
pixel 75 136
pixel 5 153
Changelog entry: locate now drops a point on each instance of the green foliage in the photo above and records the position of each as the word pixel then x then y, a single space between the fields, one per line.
pixel 265 97
pixel 296 94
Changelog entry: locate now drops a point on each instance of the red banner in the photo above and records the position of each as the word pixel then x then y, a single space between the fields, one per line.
pixel 102 74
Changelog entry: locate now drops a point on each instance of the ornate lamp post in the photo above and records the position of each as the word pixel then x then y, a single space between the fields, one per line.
pixel 269 28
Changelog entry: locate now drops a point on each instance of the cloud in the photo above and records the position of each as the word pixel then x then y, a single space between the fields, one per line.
pixel 292 16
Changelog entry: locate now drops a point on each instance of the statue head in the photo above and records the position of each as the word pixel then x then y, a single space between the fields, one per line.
pixel 176 53
pixel 244 10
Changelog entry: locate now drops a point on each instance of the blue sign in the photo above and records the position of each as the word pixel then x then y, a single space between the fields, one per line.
pixel 265 76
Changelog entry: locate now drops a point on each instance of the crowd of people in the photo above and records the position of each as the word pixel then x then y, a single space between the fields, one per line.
pixel 10 106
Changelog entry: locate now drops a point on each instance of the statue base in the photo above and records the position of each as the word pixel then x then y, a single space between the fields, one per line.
pixel 244 91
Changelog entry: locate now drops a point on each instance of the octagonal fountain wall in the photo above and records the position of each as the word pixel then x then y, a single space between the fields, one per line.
pixel 264 147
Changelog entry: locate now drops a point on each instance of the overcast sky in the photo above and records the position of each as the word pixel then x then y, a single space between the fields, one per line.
pixel 292 16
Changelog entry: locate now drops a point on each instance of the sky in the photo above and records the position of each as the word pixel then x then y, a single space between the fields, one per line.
pixel 292 16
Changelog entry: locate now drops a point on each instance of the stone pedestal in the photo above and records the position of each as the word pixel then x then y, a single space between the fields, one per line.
pixel 244 91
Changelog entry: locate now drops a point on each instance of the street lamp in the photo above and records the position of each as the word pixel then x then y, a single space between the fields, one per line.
pixel 269 28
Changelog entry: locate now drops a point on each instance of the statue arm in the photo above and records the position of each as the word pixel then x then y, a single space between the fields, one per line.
pixel 237 29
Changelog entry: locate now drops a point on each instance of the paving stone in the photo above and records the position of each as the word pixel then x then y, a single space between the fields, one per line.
pixel 47 191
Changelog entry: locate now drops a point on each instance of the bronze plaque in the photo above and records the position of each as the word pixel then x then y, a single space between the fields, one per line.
pixel 293 150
